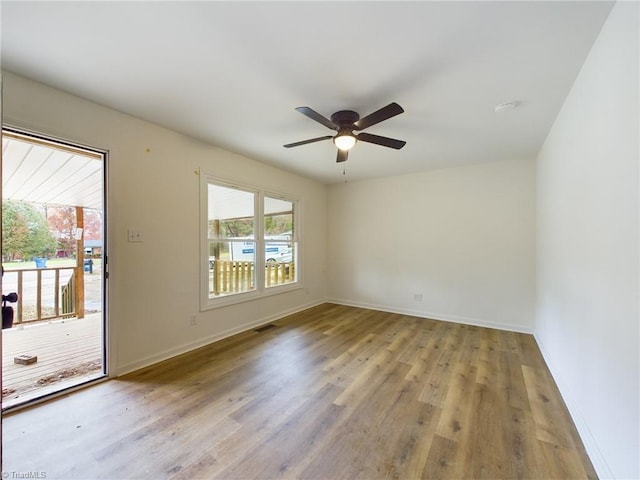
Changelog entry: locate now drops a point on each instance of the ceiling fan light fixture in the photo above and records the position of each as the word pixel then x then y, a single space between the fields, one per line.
pixel 344 140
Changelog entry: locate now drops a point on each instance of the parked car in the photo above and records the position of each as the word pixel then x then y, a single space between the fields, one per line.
pixel 285 256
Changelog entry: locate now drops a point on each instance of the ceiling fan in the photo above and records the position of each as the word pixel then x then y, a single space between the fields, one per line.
pixel 348 121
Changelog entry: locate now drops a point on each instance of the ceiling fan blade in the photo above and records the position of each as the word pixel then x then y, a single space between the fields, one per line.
pixel 313 115
pixel 378 116
pixel 384 141
pixel 304 142
pixel 342 155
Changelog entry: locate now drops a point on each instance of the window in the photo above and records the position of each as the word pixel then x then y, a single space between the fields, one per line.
pixel 231 240
pixel 280 245
pixel 238 221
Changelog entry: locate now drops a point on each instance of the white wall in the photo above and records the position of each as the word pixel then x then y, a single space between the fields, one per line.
pixel 587 238
pixel 154 285
pixel 462 237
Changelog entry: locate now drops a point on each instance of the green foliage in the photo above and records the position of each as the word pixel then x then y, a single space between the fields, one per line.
pixel 232 228
pixel 25 232
pixel 278 224
pixel 241 227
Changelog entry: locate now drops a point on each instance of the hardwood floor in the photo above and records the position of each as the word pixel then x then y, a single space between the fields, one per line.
pixel 334 392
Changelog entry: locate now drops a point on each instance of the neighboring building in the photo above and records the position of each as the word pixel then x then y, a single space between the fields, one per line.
pixel 93 247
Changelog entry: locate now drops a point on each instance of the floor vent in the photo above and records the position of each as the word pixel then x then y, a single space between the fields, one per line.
pixel 264 328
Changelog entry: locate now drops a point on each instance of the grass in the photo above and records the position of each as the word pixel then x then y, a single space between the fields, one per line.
pixel 51 263
pixel 29 308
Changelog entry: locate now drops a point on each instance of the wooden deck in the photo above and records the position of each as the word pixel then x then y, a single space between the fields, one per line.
pixel 69 352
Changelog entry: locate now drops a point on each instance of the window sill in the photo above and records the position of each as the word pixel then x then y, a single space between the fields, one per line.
pixel 243 297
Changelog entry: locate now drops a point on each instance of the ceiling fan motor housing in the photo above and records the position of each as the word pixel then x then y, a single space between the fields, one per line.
pixel 345 118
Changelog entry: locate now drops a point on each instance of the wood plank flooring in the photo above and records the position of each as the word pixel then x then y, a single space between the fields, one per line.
pixel 333 392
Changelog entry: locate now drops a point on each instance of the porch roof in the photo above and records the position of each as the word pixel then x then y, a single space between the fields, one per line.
pixel 37 171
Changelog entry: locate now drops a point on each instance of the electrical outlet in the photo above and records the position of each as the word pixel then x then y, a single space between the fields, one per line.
pixel 417 297
pixel 193 320
pixel 135 236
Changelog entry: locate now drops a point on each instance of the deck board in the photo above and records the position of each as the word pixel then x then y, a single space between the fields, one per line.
pixel 62 347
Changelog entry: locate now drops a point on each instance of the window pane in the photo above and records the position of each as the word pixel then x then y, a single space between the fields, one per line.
pixel 231 212
pixel 232 246
pixel 278 218
pixel 279 242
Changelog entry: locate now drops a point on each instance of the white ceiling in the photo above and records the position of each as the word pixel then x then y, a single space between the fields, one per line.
pixel 231 73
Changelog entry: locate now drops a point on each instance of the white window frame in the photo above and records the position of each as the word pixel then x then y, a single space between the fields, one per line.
pixel 260 291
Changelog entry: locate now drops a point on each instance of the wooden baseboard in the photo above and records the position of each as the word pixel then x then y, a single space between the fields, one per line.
pixel 591 446
pixel 435 316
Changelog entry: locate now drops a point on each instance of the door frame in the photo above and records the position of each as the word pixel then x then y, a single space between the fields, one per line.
pixel 39 137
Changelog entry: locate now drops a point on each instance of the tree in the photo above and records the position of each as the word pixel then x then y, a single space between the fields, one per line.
pixel 278 224
pixel 25 231
pixel 62 221
pixel 92 224
pixel 231 228
pixel 15 232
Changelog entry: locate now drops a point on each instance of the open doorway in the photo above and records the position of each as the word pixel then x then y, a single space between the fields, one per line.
pixel 54 259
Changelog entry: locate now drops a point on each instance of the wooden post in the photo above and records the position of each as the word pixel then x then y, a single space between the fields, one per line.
pixel 56 289
pixel 216 256
pixel 80 264
pixel 19 319
pixel 39 294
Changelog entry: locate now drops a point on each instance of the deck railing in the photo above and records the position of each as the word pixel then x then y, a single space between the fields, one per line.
pixel 44 293
pixel 237 276
pixel 69 297
pixel 279 273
